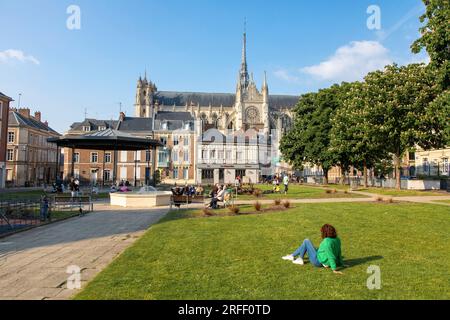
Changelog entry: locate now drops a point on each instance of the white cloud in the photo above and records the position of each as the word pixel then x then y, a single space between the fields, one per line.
pixel 16 55
pixel 284 75
pixel 351 62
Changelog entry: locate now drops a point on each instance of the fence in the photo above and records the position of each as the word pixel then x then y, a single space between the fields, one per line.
pixel 20 214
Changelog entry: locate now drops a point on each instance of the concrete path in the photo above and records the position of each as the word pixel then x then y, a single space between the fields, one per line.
pixel 33 264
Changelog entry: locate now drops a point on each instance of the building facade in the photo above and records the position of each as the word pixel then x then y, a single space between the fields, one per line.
pixel 4 113
pixel 184 122
pixel 30 159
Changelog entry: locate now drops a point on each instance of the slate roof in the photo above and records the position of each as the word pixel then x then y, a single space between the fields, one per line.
pixel 16 119
pixel 135 124
pixel 94 124
pixel 170 98
pixel 5 97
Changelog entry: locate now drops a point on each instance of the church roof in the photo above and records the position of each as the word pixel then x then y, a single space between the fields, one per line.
pixel 171 98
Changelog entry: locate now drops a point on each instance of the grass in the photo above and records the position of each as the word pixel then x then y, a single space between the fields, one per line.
pixel 35 194
pixel 444 201
pixel 299 192
pixel 239 257
pixel 403 193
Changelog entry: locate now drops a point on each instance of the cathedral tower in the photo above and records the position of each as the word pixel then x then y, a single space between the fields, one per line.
pixel 144 105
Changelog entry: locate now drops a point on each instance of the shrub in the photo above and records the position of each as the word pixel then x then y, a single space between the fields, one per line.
pixel 257 193
pixel 389 200
pixel 328 191
pixel 277 202
pixel 287 204
pixel 207 212
pixel 234 209
pixel 334 191
pixel 346 191
pixel 257 206
pixel 379 199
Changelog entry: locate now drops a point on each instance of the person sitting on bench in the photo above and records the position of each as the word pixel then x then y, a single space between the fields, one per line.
pixel 219 196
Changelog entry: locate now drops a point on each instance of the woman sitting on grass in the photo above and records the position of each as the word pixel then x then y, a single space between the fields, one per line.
pixel 328 255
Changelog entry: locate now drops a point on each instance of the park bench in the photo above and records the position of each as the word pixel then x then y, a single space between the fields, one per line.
pixel 180 200
pixel 73 202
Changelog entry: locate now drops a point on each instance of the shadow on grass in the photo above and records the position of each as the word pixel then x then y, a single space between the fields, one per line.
pixel 359 261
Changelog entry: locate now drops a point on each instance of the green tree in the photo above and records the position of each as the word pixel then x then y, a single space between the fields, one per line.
pixel 309 140
pixel 400 111
pixel 353 138
pixel 435 38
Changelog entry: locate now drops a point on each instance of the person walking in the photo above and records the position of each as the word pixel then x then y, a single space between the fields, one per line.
pixel 286 183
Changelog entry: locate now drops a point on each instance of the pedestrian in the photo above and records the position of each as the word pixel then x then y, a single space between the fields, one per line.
pixel 286 183
pixel 44 208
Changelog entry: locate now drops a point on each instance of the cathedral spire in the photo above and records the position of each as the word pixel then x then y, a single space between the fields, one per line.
pixel 244 78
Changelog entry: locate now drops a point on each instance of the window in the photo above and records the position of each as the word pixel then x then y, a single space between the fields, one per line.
pixel 175 140
pixel 412 156
pixel 220 154
pixel 175 156
pixel 185 173
pixel 123 156
pixel 94 157
pixel 108 157
pixel 212 154
pixel 86 128
pixel 163 141
pixel 148 155
pixel 204 154
pixel 239 155
pixel 175 173
pixel 107 175
pixel 101 128
pixel 426 165
pixel 76 157
pixel 10 155
pixel 186 156
pixel 228 154
pixel 9 175
pixel 186 141
pixel 207 174
pixel 11 137
pixel 445 165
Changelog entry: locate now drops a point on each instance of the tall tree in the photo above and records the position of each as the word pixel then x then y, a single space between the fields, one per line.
pixel 352 135
pixel 435 38
pixel 399 99
pixel 309 141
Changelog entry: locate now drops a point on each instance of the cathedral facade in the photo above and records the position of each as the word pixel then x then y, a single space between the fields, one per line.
pixel 207 137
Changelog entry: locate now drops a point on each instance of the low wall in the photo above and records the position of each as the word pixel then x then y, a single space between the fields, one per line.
pixel 424 185
pixel 147 200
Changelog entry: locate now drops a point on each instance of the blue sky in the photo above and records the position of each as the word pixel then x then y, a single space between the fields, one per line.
pixel 189 46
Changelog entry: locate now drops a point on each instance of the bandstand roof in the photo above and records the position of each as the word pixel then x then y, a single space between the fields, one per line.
pixel 105 140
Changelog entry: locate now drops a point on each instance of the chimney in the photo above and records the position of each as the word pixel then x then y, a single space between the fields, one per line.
pixel 24 112
pixel 37 116
pixel 46 123
pixel 122 116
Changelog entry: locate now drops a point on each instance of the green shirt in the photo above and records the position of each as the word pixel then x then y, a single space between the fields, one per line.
pixel 329 253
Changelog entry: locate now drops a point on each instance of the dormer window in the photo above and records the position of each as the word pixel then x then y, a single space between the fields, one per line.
pixel 164 126
pixel 86 128
pixel 101 128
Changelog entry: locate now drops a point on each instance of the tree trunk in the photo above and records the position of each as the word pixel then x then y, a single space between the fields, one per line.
pixel 325 177
pixel 365 175
pixel 343 171
pixel 398 183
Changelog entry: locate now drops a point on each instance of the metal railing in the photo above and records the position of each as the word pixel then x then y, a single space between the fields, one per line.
pixel 22 214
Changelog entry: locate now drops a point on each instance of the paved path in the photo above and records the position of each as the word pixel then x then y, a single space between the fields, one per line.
pixel 33 264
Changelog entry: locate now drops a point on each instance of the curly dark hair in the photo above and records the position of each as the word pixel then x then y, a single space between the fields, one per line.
pixel 328 231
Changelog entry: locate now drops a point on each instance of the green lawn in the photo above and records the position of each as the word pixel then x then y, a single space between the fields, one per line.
pixel 300 192
pixel 403 193
pixel 239 257
pixel 444 201
pixel 21 195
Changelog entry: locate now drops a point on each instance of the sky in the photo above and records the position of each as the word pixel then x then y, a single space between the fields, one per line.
pixel 67 73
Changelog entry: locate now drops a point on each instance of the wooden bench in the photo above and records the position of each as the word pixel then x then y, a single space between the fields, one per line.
pixel 180 200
